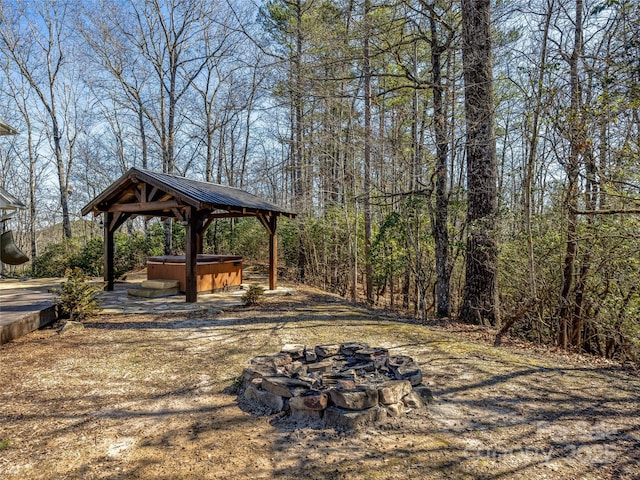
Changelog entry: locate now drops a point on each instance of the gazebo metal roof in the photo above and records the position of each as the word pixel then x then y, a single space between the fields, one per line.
pixel 201 195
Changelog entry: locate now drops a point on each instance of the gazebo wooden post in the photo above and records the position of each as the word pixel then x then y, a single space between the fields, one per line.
pixel 273 252
pixel 191 260
pixel 108 251
pixel 200 243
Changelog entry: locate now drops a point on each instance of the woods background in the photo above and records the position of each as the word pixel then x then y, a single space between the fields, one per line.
pixel 351 113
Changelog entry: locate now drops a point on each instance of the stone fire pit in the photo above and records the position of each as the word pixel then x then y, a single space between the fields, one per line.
pixel 345 385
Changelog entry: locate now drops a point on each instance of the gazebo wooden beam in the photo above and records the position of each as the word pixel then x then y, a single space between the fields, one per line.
pixel 235 213
pixel 144 206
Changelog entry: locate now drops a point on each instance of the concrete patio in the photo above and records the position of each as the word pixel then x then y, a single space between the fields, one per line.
pixel 25 305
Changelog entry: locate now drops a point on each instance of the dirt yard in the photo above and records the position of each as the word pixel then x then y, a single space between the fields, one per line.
pixel 148 396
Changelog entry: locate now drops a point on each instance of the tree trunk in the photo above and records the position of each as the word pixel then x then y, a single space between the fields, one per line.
pixel 366 73
pixel 480 303
pixel 531 160
pixel 299 195
pixel 32 192
pixel 440 229
pixel 64 187
pixel 576 140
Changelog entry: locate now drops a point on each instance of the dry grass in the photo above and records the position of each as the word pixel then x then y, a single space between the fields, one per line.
pixel 143 396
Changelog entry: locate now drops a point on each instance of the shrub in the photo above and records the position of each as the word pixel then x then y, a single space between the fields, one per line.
pixel 250 238
pixel 89 259
pixel 56 258
pixel 254 295
pixel 289 235
pixel 130 253
pixel 76 298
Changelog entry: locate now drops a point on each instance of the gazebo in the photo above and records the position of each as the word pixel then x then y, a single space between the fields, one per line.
pixel 194 203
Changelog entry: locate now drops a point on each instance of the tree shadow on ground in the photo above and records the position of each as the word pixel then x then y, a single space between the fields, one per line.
pixel 495 415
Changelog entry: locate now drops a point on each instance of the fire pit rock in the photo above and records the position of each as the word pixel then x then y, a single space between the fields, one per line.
pixel 347 385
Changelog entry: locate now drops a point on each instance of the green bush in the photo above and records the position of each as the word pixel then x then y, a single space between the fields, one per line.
pixel 56 258
pixel 237 236
pixel 70 253
pixel 254 295
pixel 76 298
pixel 89 258
pixel 289 235
pixel 131 252
pixel 155 240
pixel 250 239
pixel 218 237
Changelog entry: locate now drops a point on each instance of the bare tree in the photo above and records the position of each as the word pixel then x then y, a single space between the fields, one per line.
pixel 107 47
pixel 215 79
pixel 34 36
pixel 20 91
pixel 165 37
pixel 533 141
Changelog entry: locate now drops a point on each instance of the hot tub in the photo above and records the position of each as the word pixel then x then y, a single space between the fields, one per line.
pixel 214 272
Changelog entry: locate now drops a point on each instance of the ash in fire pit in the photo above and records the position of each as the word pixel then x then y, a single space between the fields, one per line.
pixel 347 386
